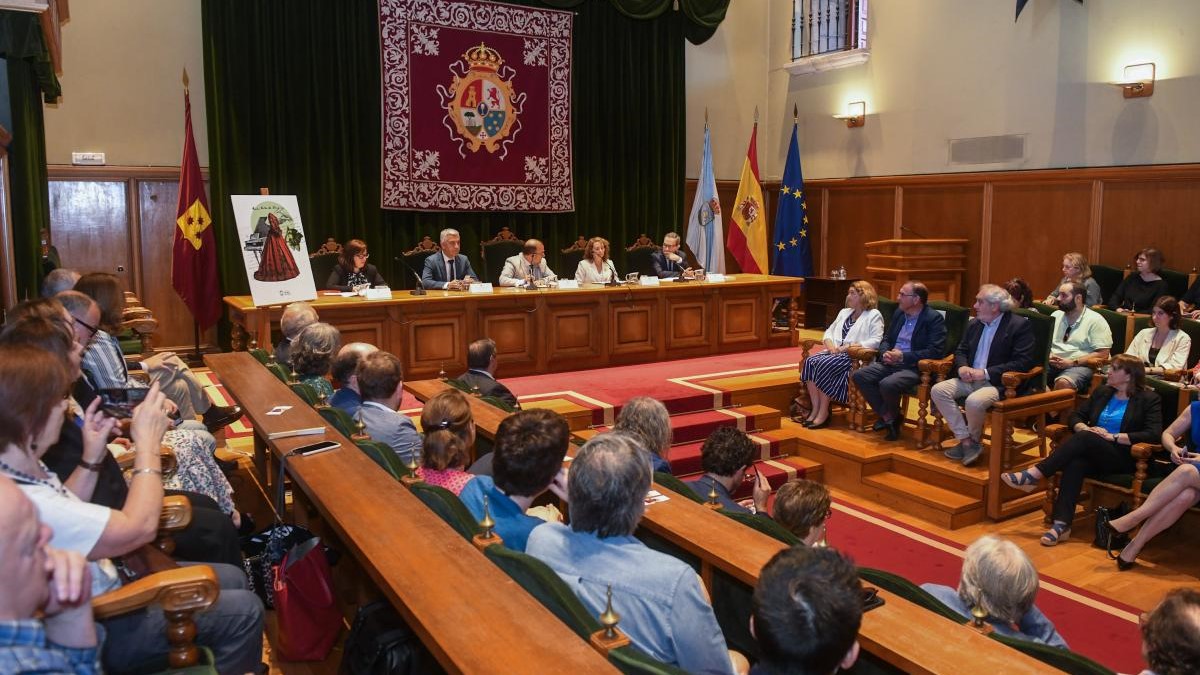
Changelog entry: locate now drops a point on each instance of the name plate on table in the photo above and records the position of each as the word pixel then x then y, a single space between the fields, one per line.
pixel 568 285
pixel 716 278
pixel 648 281
pixel 380 293
pixel 480 288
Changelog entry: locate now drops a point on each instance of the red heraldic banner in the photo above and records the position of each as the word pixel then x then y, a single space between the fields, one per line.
pixel 476 106
pixel 194 261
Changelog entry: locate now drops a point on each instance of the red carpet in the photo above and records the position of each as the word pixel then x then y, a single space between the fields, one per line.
pixel 1097 627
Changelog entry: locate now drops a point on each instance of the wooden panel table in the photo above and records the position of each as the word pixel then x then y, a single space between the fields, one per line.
pixel 552 330
pixel 468 612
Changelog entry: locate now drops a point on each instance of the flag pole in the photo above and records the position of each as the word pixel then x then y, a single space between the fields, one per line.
pixel 196 360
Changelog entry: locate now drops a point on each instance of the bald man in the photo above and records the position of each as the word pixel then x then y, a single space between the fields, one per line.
pixel 348 397
pixel 527 267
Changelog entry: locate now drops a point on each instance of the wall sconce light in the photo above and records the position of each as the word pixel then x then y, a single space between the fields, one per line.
pixel 856 114
pixel 1138 80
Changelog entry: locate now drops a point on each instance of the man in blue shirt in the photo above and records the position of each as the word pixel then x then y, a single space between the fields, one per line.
pixel 916 332
pixel 806 613
pixel 995 342
pixel 527 461
pixel 40 579
pixel 348 397
pixel 663 608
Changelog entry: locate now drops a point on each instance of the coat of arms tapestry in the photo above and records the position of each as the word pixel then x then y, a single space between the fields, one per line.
pixel 476 106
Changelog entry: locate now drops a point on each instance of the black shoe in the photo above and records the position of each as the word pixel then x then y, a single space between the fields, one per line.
pixel 879 425
pixel 1123 565
pixel 1117 540
pixel 893 431
pixel 227 466
pixel 822 425
pixel 806 423
pixel 247 527
pixel 218 417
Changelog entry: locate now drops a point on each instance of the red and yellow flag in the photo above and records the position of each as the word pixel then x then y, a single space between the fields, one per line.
pixel 747 238
pixel 194 261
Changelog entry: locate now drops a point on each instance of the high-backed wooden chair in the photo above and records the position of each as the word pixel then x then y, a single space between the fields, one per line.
pixel 1108 278
pixel 569 260
pixel 496 250
pixel 637 256
pixel 137 329
pixel 414 261
pixel 323 260
pixel 1177 282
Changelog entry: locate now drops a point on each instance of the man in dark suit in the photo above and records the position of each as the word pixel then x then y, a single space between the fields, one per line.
pixel 448 269
pixel 996 341
pixel 916 332
pixel 481 372
pixel 667 261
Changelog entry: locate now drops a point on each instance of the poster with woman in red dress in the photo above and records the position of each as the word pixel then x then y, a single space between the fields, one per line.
pixel 273 249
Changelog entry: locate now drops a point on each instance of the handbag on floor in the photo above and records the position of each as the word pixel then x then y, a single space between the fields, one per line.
pixel 1103 535
pixel 306 608
pixel 380 643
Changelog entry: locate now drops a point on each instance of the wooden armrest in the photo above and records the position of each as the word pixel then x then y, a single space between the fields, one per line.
pixel 1175 375
pixel 809 343
pixel 176 514
pixel 1144 451
pixel 179 590
pixel 1058 432
pixel 940 366
pixel 143 324
pixel 1095 362
pixel 169 462
pixel 1034 400
pixel 862 353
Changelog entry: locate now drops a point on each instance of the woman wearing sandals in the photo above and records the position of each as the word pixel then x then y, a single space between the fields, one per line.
pixel 1169 499
pixel 1106 425
pixel 827 375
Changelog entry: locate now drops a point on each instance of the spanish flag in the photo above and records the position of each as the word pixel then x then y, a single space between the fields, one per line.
pixel 747 238
pixel 194 261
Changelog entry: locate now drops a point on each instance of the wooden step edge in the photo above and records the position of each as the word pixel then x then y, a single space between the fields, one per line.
pixel 928 495
pixel 944 466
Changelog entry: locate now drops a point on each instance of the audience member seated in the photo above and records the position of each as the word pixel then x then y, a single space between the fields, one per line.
pixel 352 270
pixel 663 607
pixel 448 269
pixel 296 317
pixel 1079 334
pixel 1020 291
pixel 1171 498
pixel 1106 424
pixel 804 507
pixel 449 437
pixel 1171 634
pixel 1139 290
pixel 649 422
pixel 348 397
pixel 32 407
pixel 527 461
pixel 312 356
pixel 481 372
pixel 596 267
pixel 995 342
pixel 916 332
pixel 667 263
pixel 83 442
pixel 727 458
pixel 1162 346
pixel 827 375
pixel 1075 269
pixel 46 621
pixel 1190 302
pixel 59 280
pixel 528 267
pixel 107 369
pixel 381 383
pixel 806 614
pixel 1001 580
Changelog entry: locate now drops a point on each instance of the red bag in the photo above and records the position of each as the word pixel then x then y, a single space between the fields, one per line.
pixel 305 607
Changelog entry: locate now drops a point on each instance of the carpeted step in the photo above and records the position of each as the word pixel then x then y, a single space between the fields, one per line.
pixel 685 457
pixel 578 416
pixel 699 426
pixel 938 505
pixel 773 388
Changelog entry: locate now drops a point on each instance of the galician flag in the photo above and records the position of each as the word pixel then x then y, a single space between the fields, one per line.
pixel 704 226
pixel 747 239
pixel 194 260
pixel 793 255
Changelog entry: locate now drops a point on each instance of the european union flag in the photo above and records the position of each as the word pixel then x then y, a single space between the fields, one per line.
pixel 792 255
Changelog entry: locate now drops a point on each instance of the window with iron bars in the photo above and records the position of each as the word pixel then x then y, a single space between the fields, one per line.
pixel 826 26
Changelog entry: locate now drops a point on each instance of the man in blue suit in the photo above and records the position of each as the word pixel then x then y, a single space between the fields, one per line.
pixel 667 262
pixel 448 269
pixel 995 342
pixel 916 332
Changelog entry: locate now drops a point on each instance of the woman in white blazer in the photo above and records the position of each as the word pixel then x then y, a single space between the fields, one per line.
pixel 1162 346
pixel 596 267
pixel 827 375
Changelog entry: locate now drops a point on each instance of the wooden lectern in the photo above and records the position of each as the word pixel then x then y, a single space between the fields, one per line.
pixel 940 264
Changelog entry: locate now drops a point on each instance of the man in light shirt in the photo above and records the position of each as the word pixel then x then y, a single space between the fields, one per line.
pixel 528 267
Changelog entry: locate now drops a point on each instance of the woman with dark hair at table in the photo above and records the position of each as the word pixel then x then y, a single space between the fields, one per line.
pixel 1139 290
pixel 1106 425
pixel 353 270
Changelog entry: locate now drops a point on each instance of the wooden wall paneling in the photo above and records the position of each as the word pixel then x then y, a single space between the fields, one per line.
pixel 689 327
pixel 514 329
pixel 856 215
pixel 435 342
pixel 370 332
pixel 89 223
pixel 633 321
pixel 738 313
pixel 573 335
pixel 1164 214
pixel 947 212
pixel 815 199
pixel 1033 225
pixel 156 203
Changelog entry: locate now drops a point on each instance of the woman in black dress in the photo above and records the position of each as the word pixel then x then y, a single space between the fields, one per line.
pixel 352 269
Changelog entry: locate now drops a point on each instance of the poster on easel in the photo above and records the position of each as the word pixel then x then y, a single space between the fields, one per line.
pixel 273 248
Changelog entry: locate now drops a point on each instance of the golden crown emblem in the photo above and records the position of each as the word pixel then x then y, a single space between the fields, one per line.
pixel 483 57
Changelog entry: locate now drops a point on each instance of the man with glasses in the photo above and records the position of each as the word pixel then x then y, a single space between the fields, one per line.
pixel 667 262
pixel 527 267
pixel 1079 335
pixel 727 458
pixel 916 332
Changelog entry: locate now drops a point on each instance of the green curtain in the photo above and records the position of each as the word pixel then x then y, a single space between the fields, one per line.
pixel 703 16
pixel 31 80
pixel 293 91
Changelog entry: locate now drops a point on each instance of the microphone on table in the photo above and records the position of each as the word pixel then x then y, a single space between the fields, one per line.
pixel 420 289
pixel 612 267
